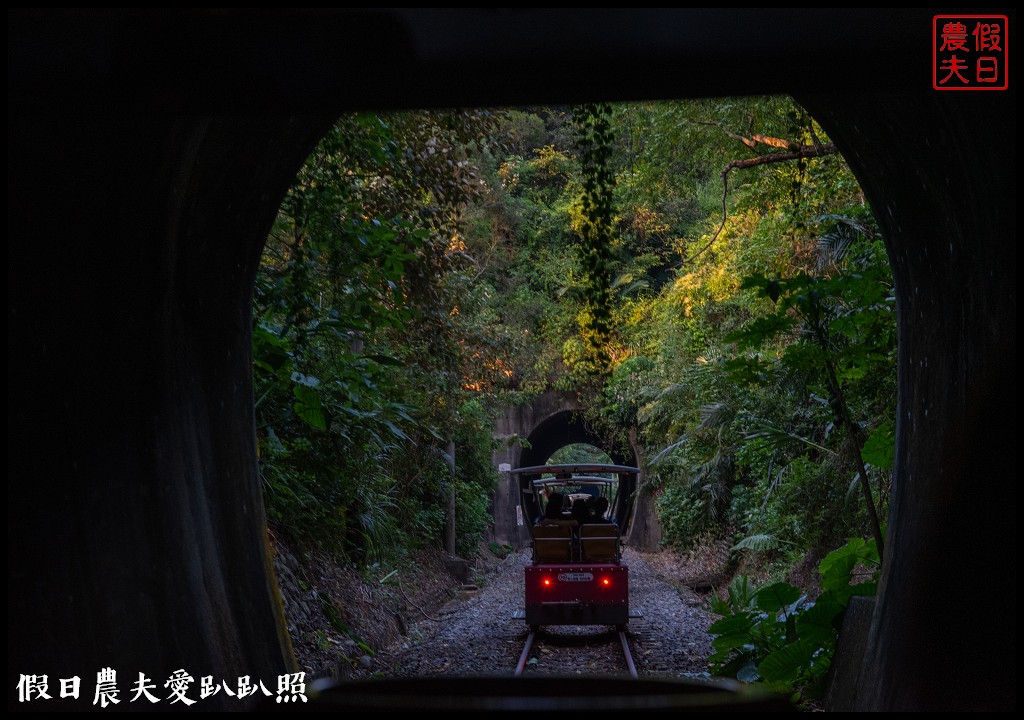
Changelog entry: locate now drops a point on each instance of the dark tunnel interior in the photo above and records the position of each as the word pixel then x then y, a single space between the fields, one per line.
pixel 561 429
pixel 147 154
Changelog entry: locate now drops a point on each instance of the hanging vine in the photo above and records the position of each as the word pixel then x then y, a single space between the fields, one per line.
pixel 594 141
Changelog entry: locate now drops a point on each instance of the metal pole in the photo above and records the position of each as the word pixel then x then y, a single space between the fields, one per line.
pixel 449 540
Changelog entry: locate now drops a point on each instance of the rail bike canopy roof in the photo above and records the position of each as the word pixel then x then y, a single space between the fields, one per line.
pixel 574 480
pixel 623 483
pixel 571 470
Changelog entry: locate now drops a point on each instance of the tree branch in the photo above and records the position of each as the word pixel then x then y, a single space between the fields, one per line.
pixel 753 140
pixel 799 151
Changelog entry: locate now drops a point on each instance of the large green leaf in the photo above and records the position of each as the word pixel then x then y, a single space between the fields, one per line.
pixel 837 577
pixel 309 407
pixel 865 588
pixel 719 605
pixel 836 566
pixel 786 664
pixel 760 541
pixel 731 625
pixel 880 447
pixel 816 624
pixel 724 642
pixel 395 430
pixel 270 352
pixel 776 596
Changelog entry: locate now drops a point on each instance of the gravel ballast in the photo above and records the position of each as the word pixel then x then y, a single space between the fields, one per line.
pixel 477 635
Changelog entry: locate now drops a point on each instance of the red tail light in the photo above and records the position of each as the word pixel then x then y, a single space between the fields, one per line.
pixel 546 582
pixel 606 581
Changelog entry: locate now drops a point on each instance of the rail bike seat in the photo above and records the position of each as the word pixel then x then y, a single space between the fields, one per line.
pixel 552 541
pixel 599 542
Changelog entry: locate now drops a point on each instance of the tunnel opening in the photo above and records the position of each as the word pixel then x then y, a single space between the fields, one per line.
pixel 578 453
pixel 161 469
pixel 379 226
pixel 566 437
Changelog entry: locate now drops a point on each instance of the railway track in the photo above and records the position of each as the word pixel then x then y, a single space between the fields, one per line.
pixel 537 637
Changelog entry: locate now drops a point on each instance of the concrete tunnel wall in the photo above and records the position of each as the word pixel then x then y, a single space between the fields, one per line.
pixel 936 175
pixel 142 182
pixel 135 515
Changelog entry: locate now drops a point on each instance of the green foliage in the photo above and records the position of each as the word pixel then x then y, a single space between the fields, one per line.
pixel 760 541
pixel 838 567
pixel 842 333
pixel 880 447
pixel 500 551
pixel 683 514
pixel 371 344
pixel 738 599
pixel 775 637
pixel 476 476
pixel 752 348
pixel 579 453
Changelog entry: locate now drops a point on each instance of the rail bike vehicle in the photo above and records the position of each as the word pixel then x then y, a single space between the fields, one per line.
pixel 578 517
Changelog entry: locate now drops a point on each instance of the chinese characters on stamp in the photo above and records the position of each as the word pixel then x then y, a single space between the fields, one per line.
pixel 970 52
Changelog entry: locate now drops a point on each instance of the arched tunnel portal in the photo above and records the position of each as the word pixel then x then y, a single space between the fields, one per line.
pixel 548 423
pixel 147 154
pixel 562 429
